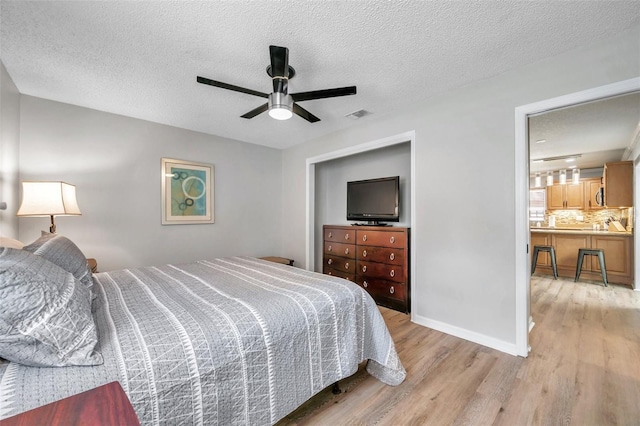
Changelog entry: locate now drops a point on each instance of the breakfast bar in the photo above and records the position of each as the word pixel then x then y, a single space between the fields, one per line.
pixel 567 240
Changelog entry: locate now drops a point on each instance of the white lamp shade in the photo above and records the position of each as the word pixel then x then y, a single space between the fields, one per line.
pixel 537 181
pixel 563 177
pixel 48 199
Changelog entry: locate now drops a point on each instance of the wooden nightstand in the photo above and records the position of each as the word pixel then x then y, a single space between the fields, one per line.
pixel 93 264
pixel 104 405
pixel 277 259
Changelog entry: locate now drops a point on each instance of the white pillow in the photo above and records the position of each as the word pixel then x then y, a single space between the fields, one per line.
pixel 64 253
pixel 45 320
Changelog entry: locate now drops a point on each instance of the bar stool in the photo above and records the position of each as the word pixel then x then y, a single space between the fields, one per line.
pixel 592 252
pixel 552 254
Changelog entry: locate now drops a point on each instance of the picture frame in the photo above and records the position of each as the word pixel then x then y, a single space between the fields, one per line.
pixel 187 192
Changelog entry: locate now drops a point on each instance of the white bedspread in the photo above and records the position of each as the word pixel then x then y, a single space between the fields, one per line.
pixel 227 341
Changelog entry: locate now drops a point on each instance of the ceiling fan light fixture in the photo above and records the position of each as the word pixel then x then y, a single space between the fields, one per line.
pixel 280 106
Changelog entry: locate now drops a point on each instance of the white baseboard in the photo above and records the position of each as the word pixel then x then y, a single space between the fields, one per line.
pixel 531 324
pixel 472 336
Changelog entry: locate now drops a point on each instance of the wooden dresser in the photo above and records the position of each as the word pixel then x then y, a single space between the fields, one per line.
pixel 374 257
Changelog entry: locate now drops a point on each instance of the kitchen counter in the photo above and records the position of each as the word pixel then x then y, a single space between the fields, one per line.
pixel 578 231
pixel 567 240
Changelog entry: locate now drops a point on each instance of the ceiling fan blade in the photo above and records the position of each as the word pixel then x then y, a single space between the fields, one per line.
pixel 279 61
pixel 297 109
pixel 279 68
pixel 222 85
pixel 320 94
pixel 254 112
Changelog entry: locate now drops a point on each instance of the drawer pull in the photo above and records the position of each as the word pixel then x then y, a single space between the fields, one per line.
pixel 392 273
pixel 330 234
pixel 330 261
pixel 329 248
pixel 364 253
pixel 346 265
pixel 364 268
pixel 346 251
pixel 346 236
pixel 391 256
pixel 329 273
pixel 365 284
pixel 392 290
pixel 364 237
pixel 392 239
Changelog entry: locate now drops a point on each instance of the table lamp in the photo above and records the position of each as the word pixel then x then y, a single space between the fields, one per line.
pixel 48 199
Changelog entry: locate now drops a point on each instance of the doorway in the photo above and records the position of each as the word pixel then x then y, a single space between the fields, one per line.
pixel 522 270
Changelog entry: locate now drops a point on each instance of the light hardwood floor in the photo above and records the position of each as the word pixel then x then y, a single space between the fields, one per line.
pixel 583 369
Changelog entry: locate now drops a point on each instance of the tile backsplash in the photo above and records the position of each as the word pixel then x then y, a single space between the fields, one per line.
pixel 589 217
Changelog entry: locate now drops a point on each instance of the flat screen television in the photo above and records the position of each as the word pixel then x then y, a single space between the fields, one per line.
pixel 374 200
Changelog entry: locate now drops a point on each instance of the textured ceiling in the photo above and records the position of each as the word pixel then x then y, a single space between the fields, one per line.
pixel 599 132
pixel 141 59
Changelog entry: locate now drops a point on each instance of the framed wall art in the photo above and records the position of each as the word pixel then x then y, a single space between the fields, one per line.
pixel 187 192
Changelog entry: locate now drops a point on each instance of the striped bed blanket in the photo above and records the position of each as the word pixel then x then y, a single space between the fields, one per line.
pixel 227 341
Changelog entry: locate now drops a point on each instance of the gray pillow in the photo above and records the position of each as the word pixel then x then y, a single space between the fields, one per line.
pixel 45 318
pixel 64 253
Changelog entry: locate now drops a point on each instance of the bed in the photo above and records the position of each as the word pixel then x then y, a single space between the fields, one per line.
pixel 226 341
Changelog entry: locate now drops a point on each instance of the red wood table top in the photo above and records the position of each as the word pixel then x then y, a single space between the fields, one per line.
pixel 104 405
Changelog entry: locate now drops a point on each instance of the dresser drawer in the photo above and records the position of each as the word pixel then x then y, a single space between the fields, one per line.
pixel 392 256
pixel 382 288
pixel 340 235
pixel 340 274
pixel 340 249
pixel 340 263
pixel 380 270
pixel 381 238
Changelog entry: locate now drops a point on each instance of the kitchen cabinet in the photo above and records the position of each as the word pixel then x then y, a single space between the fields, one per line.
pixel 618 184
pixel 593 194
pixel 567 246
pixel 618 253
pixel 566 197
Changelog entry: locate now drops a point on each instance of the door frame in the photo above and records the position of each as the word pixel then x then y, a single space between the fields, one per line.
pixel 522 267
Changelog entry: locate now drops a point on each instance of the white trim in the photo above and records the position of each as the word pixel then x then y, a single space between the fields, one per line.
pixel 522 189
pixel 633 151
pixel 310 215
pixel 463 333
pixel 409 136
pixel 636 216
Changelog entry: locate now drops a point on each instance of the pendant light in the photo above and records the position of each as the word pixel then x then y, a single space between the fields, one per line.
pixel 563 177
pixel 549 178
pixel 576 176
pixel 537 181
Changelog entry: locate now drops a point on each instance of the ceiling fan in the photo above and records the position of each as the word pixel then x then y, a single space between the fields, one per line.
pixel 282 105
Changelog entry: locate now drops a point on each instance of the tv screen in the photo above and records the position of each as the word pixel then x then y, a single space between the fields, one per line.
pixel 373 200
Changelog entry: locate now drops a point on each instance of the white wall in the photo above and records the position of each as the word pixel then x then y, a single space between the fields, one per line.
pixel 464 182
pixel 331 179
pixel 114 161
pixel 9 147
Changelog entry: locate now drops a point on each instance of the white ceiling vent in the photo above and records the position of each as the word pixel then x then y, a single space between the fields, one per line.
pixel 357 114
